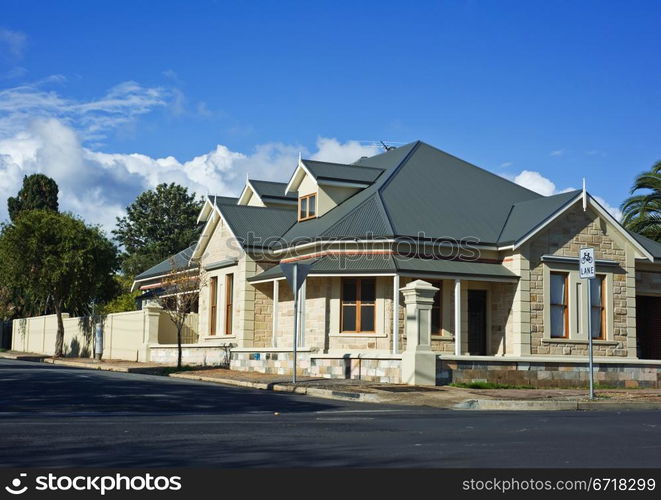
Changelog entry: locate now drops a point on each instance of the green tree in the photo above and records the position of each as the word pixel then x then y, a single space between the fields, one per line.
pixel 39 192
pixel 124 300
pixel 159 223
pixel 641 213
pixel 45 254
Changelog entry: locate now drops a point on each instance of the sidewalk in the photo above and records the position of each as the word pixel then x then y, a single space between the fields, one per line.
pixel 358 390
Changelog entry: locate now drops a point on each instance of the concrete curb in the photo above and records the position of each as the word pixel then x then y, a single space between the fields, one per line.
pixel 535 405
pixel 280 387
pixel 348 395
pixel 24 357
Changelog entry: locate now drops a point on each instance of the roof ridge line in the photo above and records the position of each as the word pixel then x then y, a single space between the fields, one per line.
pixel 352 165
pixel 360 205
pixel 387 181
pixel 509 214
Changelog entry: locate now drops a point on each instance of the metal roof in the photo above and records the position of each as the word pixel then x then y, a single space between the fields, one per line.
pixel 252 226
pixel 527 215
pixel 181 261
pixel 653 247
pixel 342 172
pixel 391 264
pixel 271 189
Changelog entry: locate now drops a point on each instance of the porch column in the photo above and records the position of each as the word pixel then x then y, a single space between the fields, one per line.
pixel 276 298
pixel 457 317
pixel 418 360
pixel 301 313
pixel 395 314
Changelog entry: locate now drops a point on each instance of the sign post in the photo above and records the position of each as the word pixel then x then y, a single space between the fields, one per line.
pixel 295 272
pixel 587 268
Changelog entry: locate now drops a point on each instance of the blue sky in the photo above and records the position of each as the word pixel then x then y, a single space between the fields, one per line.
pixel 110 98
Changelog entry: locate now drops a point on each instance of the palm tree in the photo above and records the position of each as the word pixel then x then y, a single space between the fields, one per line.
pixel 641 213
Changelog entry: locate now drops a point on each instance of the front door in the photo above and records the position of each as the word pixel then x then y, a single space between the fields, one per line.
pixel 477 322
pixel 648 327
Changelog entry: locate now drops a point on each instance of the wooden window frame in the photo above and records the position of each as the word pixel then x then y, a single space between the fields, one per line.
pixel 358 305
pixel 437 308
pixel 307 212
pixel 229 303
pixel 565 305
pixel 213 305
pixel 602 306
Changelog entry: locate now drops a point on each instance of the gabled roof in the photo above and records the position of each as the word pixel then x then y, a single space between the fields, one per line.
pixel 323 170
pixel 269 189
pixel 253 225
pixel 357 175
pixel 181 261
pixel 223 200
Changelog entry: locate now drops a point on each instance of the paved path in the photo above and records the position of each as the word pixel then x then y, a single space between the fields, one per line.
pixel 56 416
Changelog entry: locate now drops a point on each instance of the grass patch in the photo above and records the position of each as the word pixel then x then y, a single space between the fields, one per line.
pixel 493 385
pixel 2 349
pixel 488 385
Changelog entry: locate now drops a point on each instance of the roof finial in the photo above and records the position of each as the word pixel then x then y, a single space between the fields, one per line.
pixel 299 157
pixel 585 196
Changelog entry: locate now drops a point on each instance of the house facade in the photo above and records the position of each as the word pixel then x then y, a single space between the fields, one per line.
pixel 416 251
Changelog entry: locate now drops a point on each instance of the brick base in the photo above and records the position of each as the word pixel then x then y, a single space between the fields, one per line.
pixel 548 374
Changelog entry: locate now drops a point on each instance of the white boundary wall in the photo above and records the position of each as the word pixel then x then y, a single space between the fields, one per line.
pixel 126 336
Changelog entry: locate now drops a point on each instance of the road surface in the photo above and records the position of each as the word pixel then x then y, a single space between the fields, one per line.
pixel 55 416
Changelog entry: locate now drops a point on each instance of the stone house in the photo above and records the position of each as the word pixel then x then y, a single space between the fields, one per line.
pixel 416 251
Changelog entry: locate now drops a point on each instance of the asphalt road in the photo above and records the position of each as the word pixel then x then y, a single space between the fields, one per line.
pixel 57 417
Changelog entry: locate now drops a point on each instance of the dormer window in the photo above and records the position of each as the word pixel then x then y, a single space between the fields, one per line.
pixel 307 207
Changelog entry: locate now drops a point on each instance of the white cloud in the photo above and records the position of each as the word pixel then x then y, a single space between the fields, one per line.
pixel 93 119
pixel 538 183
pixel 614 211
pixel 557 152
pixel 334 151
pixel 535 182
pixel 13 41
pixel 98 185
pixel 506 164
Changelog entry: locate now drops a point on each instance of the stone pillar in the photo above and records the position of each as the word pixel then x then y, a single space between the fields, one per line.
pixel 395 314
pixel 152 318
pixel 418 360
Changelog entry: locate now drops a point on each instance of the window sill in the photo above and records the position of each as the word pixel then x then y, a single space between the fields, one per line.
pixel 439 336
pixel 579 341
pixel 208 338
pixel 358 334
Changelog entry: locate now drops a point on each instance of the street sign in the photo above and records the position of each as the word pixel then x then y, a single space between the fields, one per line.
pixel 587 267
pixel 586 263
pixel 296 272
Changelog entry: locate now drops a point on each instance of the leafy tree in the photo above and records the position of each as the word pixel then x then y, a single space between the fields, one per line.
pixel 642 212
pixel 124 300
pixel 56 257
pixel 39 192
pixel 159 223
